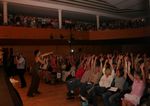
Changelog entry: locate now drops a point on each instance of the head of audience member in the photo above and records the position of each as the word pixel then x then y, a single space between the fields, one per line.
pixel 138 72
pixel 108 70
pixel 138 75
pixel 114 65
pixel 97 64
pixel 20 55
pixel 37 53
pixel 120 72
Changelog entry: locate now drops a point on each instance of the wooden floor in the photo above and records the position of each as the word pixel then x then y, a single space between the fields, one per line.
pixel 51 95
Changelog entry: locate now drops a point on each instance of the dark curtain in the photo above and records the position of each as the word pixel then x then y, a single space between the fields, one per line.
pixel 8 94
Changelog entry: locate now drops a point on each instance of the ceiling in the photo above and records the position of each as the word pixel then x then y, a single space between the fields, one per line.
pixel 122 7
pixel 126 8
pixel 31 10
pixel 48 12
pixel 128 4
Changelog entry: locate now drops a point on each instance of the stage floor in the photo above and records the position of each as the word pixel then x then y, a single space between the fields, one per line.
pixel 51 95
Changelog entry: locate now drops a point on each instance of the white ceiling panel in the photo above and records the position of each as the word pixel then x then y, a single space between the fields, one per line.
pixel 31 10
pixel 124 8
pixel 111 6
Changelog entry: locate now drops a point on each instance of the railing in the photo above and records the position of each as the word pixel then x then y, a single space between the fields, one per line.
pixel 9 32
pixel 120 33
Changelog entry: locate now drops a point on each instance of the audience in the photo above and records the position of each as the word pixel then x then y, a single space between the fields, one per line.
pixel 80 77
pixel 107 76
pixel 116 78
pixel 96 72
pixel 105 81
pixel 110 96
pixel 47 22
pixel 138 86
pixel 113 84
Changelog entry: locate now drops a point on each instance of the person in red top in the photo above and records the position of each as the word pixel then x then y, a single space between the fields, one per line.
pixel 79 72
pixel 74 83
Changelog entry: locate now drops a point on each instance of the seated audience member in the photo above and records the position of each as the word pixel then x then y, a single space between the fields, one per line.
pixel 70 73
pixel 138 86
pixel 63 68
pixel 105 81
pixel 44 67
pixel 84 78
pixel 110 96
pixel 74 83
pixel 96 67
pixel 53 63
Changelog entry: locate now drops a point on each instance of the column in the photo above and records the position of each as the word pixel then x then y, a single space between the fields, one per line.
pixel 60 18
pixel 5 12
pixel 147 8
pixel 148 12
pixel 97 21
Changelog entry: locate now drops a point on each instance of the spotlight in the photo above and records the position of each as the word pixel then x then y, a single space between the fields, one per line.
pixel 69 41
pixel 72 51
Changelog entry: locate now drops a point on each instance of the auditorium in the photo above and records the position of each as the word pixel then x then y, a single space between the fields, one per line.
pixel 75 52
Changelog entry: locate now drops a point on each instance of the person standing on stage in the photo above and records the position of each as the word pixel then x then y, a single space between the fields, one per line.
pixel 21 68
pixel 33 89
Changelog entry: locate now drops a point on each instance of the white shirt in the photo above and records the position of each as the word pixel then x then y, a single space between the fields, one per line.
pixel 106 81
pixel 21 63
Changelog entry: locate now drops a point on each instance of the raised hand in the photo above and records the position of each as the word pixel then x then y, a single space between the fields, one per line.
pixel 129 65
pixel 125 58
pixel 106 61
pixel 138 55
pixel 120 57
pixel 143 73
pixel 129 71
pixel 101 59
pixel 95 57
pixel 110 61
pixel 137 58
pixel 142 66
pixel 131 54
pixel 127 54
pixel 108 56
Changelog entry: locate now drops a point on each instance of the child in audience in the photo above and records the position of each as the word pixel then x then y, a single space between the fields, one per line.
pixel 74 83
pixel 110 96
pixel 105 81
pixel 86 87
pixel 138 86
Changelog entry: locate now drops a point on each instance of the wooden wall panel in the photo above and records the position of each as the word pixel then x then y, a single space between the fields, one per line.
pixel 29 50
pixel 88 49
pixel 119 33
pixel 9 32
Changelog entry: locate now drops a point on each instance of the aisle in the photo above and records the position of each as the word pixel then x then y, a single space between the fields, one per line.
pixel 51 95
